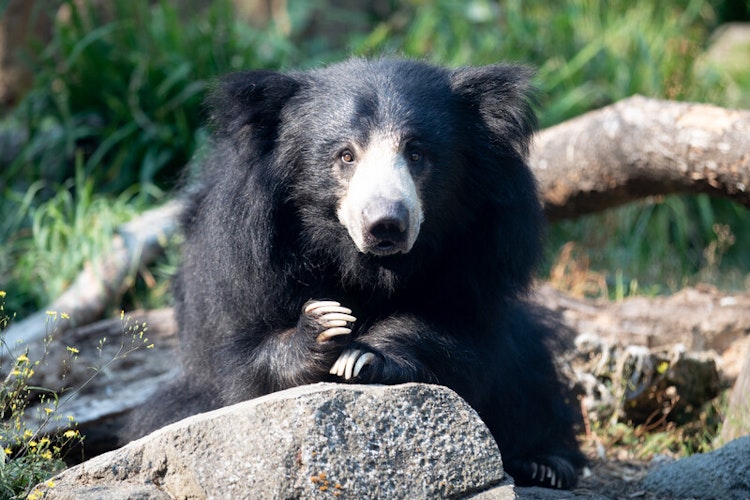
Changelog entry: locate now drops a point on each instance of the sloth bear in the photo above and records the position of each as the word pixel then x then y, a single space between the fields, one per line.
pixel 374 221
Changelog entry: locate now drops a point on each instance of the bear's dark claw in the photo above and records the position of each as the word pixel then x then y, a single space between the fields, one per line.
pixel 549 472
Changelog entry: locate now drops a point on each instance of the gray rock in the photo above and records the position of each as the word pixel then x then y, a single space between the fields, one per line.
pixel 724 473
pixel 324 440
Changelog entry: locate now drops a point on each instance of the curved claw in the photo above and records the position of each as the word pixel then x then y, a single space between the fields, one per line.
pixel 336 319
pixel 332 332
pixel 366 359
pixel 311 306
pixel 339 367
pixel 325 306
pixel 350 360
pixel 332 316
pixel 350 363
pixel 545 474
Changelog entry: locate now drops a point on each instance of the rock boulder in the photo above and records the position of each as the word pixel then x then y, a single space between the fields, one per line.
pixel 349 441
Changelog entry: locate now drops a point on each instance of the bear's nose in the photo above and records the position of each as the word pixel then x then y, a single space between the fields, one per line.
pixel 386 223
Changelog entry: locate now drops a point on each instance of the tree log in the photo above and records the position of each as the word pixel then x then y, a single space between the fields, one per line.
pixel 700 319
pixel 640 147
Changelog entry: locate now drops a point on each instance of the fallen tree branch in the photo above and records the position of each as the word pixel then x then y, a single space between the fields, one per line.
pixel 700 319
pixel 640 147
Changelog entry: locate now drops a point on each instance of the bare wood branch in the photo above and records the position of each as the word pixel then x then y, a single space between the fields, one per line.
pixel 700 319
pixel 640 147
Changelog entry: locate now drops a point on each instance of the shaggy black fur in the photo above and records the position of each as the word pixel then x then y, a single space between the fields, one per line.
pixel 263 238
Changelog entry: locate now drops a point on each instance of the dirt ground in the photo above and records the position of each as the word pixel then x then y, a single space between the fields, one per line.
pixel 614 473
pixel 614 479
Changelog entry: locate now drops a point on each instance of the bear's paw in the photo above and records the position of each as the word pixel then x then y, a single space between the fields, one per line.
pixel 550 471
pixel 331 316
pixel 351 362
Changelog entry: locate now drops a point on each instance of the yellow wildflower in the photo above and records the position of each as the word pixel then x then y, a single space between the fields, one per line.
pixel 47 455
pixel 22 358
pixel 7 451
pixel 73 350
pixel 27 433
pixel 49 410
pixel 64 316
pixel 2 293
pixel 71 433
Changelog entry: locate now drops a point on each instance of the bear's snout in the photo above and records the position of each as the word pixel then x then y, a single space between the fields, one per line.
pixel 386 225
pixel 381 207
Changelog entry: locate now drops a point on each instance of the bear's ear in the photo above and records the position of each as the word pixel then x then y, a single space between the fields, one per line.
pixel 502 95
pixel 250 101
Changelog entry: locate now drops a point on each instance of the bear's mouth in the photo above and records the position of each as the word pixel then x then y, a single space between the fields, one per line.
pixel 388 235
pixel 383 248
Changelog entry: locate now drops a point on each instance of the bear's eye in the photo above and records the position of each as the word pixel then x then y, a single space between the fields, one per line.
pixel 415 156
pixel 347 156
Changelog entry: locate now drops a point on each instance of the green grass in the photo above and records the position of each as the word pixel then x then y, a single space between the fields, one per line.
pixel 76 225
pixel 587 54
pixel 116 112
pixel 662 244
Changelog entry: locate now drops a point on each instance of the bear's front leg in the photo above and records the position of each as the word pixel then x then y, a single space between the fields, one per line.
pixel 398 349
pixel 289 357
pixel 335 321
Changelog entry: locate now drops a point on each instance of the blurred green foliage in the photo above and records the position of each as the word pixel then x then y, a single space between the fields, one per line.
pixel 116 113
pixel 587 53
pixel 124 84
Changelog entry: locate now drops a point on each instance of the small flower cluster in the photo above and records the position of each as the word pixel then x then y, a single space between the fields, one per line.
pixel 29 454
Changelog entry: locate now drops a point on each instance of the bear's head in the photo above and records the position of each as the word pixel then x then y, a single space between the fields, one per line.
pixel 390 163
